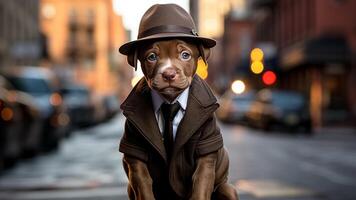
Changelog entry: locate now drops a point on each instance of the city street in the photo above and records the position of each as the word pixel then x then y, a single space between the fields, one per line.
pixel 285 69
pixel 262 166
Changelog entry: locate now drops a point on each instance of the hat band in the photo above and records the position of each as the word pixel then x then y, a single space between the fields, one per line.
pixel 167 29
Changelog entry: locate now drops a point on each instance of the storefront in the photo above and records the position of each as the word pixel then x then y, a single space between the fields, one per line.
pixel 320 68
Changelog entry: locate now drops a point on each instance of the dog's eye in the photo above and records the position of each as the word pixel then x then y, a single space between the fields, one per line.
pixel 185 55
pixel 152 57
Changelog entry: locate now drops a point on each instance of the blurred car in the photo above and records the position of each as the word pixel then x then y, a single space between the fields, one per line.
pixel 273 108
pixel 32 124
pixel 10 126
pixel 111 105
pixel 233 107
pixel 29 138
pixel 78 100
pixel 100 111
pixel 40 83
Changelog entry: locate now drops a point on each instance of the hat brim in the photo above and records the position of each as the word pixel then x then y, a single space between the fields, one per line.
pixel 128 47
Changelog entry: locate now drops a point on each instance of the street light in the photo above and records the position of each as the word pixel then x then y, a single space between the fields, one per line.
pixel 238 86
pixel 257 67
pixel 269 78
pixel 256 56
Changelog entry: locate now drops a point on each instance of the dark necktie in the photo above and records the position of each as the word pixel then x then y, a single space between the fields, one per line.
pixel 169 111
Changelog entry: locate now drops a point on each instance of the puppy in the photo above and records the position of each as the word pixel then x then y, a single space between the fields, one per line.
pixel 169 66
pixel 198 168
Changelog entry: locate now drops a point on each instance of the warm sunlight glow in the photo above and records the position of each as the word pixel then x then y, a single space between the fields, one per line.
pixel 202 69
pixel 135 80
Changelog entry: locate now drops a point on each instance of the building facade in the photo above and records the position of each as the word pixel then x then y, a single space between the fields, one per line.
pixel 20 38
pixel 83 37
pixel 237 42
pixel 316 41
pixel 209 16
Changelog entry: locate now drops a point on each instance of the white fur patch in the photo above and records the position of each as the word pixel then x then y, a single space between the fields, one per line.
pixel 166 65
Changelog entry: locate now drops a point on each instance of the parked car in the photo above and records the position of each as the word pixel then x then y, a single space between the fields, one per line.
pixel 111 105
pixel 100 109
pixel 29 138
pixel 279 108
pixel 32 124
pixel 79 102
pixel 233 107
pixel 10 126
pixel 40 83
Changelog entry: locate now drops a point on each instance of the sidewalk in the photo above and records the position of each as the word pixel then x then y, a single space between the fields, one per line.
pixel 340 132
pixel 88 164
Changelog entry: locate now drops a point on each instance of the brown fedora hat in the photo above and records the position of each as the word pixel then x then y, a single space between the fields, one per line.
pixel 164 21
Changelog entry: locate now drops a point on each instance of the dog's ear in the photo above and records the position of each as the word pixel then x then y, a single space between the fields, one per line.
pixel 204 53
pixel 132 58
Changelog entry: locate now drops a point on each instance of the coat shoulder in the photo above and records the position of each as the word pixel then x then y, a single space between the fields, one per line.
pixel 138 95
pixel 202 92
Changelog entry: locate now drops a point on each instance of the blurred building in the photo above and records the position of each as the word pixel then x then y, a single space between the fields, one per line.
pixel 237 41
pixel 209 17
pixel 83 37
pixel 316 41
pixel 20 39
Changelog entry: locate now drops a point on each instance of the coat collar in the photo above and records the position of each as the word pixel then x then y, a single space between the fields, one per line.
pixel 138 109
pixel 157 100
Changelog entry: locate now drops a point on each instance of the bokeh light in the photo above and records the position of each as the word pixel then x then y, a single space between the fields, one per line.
pixel 256 54
pixel 269 78
pixel 7 114
pixel 55 99
pixel 257 67
pixel 202 69
pixel 238 86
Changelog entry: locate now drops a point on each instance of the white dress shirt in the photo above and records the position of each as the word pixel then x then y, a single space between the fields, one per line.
pixel 157 100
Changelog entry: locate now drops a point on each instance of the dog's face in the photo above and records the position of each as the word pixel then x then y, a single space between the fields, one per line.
pixel 169 66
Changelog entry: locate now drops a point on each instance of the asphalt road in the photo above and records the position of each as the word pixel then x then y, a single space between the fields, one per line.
pixel 274 166
pixel 285 166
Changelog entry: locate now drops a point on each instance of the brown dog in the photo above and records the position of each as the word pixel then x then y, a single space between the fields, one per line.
pixel 197 168
pixel 169 66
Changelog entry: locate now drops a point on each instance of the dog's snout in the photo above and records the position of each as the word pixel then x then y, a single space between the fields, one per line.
pixel 169 74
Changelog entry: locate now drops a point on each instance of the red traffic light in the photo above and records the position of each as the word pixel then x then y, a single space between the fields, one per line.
pixel 269 77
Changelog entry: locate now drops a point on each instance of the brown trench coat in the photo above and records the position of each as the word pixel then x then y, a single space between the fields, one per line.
pixel 197 135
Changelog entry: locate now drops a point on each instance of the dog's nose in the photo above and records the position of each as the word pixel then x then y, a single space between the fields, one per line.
pixel 169 74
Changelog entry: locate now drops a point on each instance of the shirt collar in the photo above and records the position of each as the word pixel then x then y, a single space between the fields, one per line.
pixel 157 100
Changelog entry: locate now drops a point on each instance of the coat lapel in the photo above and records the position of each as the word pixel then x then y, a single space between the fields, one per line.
pixel 138 109
pixel 201 103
